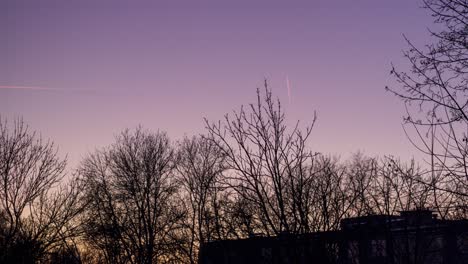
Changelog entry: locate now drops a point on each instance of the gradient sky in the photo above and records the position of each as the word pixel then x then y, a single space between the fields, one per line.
pixel 85 70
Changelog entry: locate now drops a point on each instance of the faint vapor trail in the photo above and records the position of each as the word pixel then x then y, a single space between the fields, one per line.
pixel 36 88
pixel 47 89
pixel 289 89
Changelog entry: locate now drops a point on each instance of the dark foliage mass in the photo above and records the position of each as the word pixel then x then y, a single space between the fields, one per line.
pixel 145 199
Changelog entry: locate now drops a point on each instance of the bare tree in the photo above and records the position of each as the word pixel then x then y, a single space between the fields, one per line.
pixel 386 186
pixel 54 220
pixel 200 168
pixel 38 216
pixel 269 166
pixel 435 92
pixel 133 214
pixel 360 171
pixel 330 199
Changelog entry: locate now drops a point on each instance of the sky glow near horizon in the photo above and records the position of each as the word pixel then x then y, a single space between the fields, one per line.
pixel 168 64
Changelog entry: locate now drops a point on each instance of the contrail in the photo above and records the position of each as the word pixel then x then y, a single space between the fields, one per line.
pixel 289 89
pixel 36 88
pixel 47 89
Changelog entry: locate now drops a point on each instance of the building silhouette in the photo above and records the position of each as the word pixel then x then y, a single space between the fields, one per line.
pixel 412 237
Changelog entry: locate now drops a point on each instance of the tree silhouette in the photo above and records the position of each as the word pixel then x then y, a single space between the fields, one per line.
pixel 200 171
pixel 37 215
pixel 133 214
pixel 435 93
pixel 270 166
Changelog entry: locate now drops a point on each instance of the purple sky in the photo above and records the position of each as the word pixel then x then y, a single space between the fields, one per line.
pixel 97 67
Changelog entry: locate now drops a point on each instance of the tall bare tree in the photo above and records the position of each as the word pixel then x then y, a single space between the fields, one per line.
pixel 435 92
pixel 133 213
pixel 38 215
pixel 200 169
pixel 269 166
